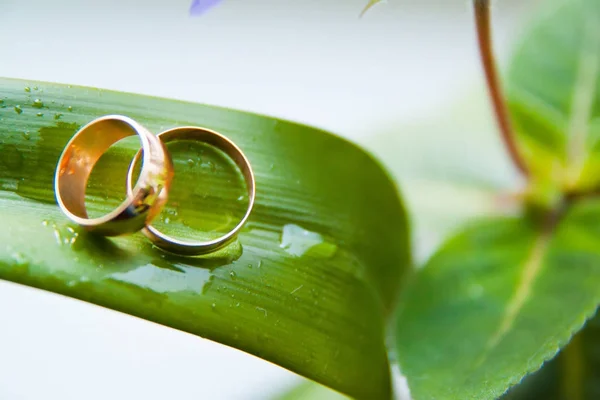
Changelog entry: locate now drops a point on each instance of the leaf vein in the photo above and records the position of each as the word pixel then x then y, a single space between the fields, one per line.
pixel 532 267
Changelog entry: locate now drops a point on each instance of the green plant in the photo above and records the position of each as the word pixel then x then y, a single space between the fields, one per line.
pixel 314 281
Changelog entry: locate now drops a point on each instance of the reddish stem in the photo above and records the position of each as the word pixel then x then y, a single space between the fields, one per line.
pixel 484 37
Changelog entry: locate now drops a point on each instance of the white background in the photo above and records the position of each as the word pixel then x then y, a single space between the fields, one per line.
pixel 312 61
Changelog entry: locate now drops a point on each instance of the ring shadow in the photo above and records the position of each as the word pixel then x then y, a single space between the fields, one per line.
pixel 105 250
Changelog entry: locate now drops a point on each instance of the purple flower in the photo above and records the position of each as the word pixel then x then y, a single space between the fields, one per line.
pixel 199 7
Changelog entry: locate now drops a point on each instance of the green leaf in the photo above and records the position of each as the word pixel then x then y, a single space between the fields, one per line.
pixel 369 5
pixel 444 182
pixel 554 94
pixel 308 390
pixel 316 306
pixel 497 301
pixel 573 375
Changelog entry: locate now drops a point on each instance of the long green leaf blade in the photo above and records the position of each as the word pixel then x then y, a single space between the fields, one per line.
pixel 316 306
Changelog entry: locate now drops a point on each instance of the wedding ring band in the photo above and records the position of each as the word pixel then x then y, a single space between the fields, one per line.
pixel 144 201
pixel 219 141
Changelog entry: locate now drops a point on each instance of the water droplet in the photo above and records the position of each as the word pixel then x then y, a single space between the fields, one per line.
pixel 233 275
pixel 20 259
pixel 27 89
pixel 208 284
pixel 209 165
pixel 250 266
pixel 232 296
pixel 26 135
pixel 241 198
pixel 18 109
pixel 35 88
pixel 64 235
pixel 37 103
pixel 57 116
pixel 262 310
pixel 297 241
pixel 191 162
pixel 180 279
pixel 237 304
pixel 71 236
pixel 84 279
pixel 70 108
pixel 259 263
pixel 40 114
pixel 45 223
pixel 167 220
pixel 71 283
pixel 213 306
pixel 272 167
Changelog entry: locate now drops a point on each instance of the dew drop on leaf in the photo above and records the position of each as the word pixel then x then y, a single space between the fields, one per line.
pixel 20 259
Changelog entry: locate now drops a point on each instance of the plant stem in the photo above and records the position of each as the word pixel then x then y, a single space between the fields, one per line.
pixel 484 37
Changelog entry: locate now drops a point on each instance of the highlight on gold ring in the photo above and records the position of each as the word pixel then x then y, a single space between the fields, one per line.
pixel 144 201
pixel 191 248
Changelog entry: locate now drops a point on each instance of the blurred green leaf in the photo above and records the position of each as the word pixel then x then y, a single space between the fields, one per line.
pixel 318 310
pixel 554 94
pixel 448 178
pixel 497 301
pixel 369 5
pixel 309 390
pixel 573 375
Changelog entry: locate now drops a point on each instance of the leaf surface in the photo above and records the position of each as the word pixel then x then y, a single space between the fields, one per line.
pixel 307 286
pixel 554 94
pixel 497 301
pixel 574 374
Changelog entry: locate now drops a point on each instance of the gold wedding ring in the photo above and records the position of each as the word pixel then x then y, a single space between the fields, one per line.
pixel 191 133
pixel 144 201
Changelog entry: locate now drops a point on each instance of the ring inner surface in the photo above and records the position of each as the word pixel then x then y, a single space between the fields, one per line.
pixel 208 195
pixel 81 157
